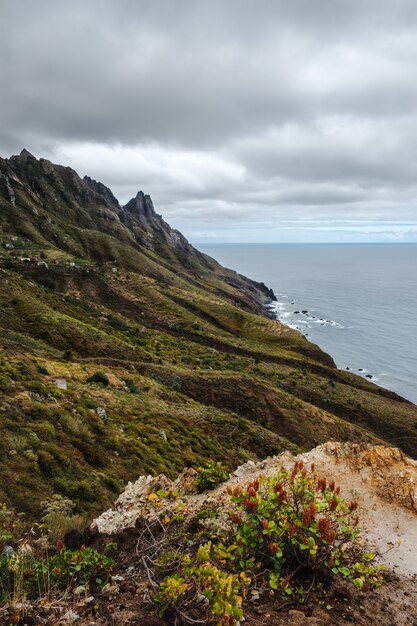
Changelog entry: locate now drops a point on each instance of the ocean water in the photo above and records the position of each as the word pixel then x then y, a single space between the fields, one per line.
pixel 358 302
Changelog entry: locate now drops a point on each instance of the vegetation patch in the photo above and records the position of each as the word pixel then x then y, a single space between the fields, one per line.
pixel 290 535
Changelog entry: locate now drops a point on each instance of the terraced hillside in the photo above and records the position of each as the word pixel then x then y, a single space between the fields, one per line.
pixel 125 351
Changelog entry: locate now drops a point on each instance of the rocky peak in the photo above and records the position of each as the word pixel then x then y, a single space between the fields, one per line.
pixel 101 189
pixel 142 205
pixel 26 153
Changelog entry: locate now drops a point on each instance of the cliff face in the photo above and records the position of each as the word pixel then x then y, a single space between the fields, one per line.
pixel 167 358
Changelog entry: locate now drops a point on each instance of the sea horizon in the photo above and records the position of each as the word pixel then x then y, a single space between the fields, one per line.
pixel 302 243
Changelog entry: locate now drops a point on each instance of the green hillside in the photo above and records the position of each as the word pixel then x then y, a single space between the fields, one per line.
pixel 124 351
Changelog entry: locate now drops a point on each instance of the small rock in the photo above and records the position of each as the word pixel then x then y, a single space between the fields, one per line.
pixel 254 595
pixel 78 591
pixel 70 617
pixel 320 614
pixel 101 412
pixel 117 578
pixel 163 435
pixel 297 617
pixel 202 600
pixel 111 589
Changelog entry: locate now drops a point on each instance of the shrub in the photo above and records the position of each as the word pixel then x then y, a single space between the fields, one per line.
pixel 74 425
pixel 40 412
pixel 99 378
pixel 130 384
pixel 23 574
pixel 203 592
pixel 212 475
pixel 30 570
pixel 297 526
pixel 58 517
pixel 79 567
pixel 5 383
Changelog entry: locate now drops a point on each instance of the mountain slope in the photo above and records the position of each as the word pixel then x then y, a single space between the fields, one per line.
pixel 194 367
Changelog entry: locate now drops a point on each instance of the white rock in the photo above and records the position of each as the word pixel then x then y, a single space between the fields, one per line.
pixel 70 617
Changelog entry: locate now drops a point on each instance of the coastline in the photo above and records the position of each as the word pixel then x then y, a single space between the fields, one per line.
pixel 273 313
pixel 356 302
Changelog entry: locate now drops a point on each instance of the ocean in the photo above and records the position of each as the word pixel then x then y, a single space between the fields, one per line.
pixel 358 302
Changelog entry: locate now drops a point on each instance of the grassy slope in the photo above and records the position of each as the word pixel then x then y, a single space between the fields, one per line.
pixel 193 401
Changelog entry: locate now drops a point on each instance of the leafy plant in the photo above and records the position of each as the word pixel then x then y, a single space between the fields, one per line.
pixel 203 592
pixel 31 569
pixel 298 527
pixel 213 474
pixel 81 567
pixel 23 573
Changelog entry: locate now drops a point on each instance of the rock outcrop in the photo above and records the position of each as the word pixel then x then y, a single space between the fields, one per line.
pixel 381 479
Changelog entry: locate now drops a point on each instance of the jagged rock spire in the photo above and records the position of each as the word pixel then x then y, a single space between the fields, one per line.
pixel 26 153
pixel 141 205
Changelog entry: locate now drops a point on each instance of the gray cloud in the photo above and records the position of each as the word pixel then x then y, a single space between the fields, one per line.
pixel 233 115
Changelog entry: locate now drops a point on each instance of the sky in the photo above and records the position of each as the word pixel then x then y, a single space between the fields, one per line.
pixel 245 120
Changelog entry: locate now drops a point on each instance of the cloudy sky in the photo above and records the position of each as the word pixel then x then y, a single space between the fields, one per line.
pixel 246 120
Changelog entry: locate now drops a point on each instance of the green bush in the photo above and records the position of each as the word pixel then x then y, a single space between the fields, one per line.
pixel 79 567
pixel 99 378
pixel 24 574
pixel 30 570
pixel 211 475
pixel 5 383
pixel 58 517
pixel 202 592
pixel 290 532
pixel 130 384
pixel 299 528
